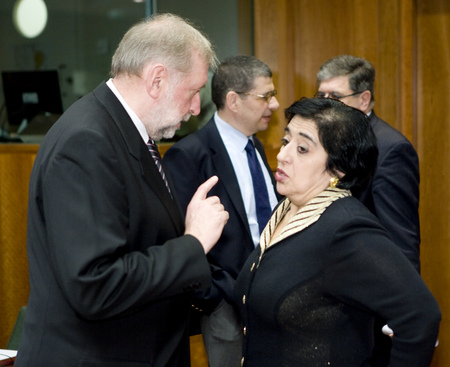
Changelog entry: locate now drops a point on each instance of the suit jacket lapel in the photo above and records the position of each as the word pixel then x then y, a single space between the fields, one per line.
pixel 138 149
pixel 225 170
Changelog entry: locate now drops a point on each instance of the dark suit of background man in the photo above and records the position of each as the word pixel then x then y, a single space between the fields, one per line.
pixel 113 265
pixel 393 195
pixel 244 94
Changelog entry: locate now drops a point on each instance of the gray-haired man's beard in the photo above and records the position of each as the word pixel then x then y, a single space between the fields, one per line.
pixel 168 132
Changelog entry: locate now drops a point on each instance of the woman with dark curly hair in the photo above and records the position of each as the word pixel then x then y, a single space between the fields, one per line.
pixel 325 266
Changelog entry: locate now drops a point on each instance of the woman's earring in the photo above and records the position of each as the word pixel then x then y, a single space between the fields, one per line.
pixel 333 182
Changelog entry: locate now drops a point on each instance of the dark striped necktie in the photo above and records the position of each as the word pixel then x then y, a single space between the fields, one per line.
pixel 153 149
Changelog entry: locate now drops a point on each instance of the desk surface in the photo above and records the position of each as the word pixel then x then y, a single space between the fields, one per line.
pixel 7 357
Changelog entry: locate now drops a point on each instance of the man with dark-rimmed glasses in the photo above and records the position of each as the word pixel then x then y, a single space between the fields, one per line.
pixel 393 195
pixel 245 97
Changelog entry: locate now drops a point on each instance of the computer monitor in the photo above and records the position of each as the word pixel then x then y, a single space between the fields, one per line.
pixel 31 93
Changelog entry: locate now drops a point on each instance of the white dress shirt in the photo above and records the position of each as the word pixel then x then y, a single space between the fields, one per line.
pixel 235 143
pixel 136 120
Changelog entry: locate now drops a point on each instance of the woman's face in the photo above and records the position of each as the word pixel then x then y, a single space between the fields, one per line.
pixel 301 173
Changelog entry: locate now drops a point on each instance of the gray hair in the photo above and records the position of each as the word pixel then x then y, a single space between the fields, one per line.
pixel 236 73
pixel 361 73
pixel 165 38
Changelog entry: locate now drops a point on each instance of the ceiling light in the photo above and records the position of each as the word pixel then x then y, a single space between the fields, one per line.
pixel 30 17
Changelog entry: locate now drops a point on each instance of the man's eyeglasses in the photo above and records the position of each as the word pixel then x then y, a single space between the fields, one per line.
pixel 266 96
pixel 334 95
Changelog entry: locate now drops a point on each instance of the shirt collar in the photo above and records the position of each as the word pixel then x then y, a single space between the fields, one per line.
pixel 136 120
pixel 231 135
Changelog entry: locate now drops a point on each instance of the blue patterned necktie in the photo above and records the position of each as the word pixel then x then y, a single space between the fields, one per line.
pixel 153 149
pixel 263 210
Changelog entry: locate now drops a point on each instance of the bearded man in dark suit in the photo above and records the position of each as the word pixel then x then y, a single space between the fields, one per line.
pixel 113 264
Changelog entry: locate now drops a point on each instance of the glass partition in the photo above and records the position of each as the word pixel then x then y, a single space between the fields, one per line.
pixel 81 36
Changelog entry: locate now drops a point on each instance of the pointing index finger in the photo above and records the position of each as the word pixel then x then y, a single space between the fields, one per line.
pixel 204 188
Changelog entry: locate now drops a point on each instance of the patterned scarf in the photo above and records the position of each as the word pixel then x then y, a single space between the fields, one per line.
pixel 307 215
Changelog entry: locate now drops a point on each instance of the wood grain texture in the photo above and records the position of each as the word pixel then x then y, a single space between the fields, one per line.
pixel 16 162
pixel 433 132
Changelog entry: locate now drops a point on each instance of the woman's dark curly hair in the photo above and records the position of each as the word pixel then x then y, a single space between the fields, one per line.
pixel 346 136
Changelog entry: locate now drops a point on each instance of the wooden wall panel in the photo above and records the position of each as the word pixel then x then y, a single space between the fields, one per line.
pixel 295 37
pixel 272 20
pixel 327 29
pixel 433 120
pixel 408 41
pixel 386 61
pixel 16 162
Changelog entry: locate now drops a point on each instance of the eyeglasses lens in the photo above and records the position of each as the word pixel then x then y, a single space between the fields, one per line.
pixel 331 95
pixel 268 96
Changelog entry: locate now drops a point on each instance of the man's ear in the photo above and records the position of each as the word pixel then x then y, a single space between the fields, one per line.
pixel 365 98
pixel 232 101
pixel 155 77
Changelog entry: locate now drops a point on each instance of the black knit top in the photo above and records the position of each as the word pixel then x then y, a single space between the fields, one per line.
pixel 312 299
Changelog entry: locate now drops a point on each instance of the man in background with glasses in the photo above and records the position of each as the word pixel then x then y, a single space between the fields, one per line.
pixel 244 94
pixel 393 195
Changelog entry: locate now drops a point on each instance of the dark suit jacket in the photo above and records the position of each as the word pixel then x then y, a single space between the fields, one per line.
pixel 111 274
pixel 312 297
pixel 393 195
pixel 193 160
